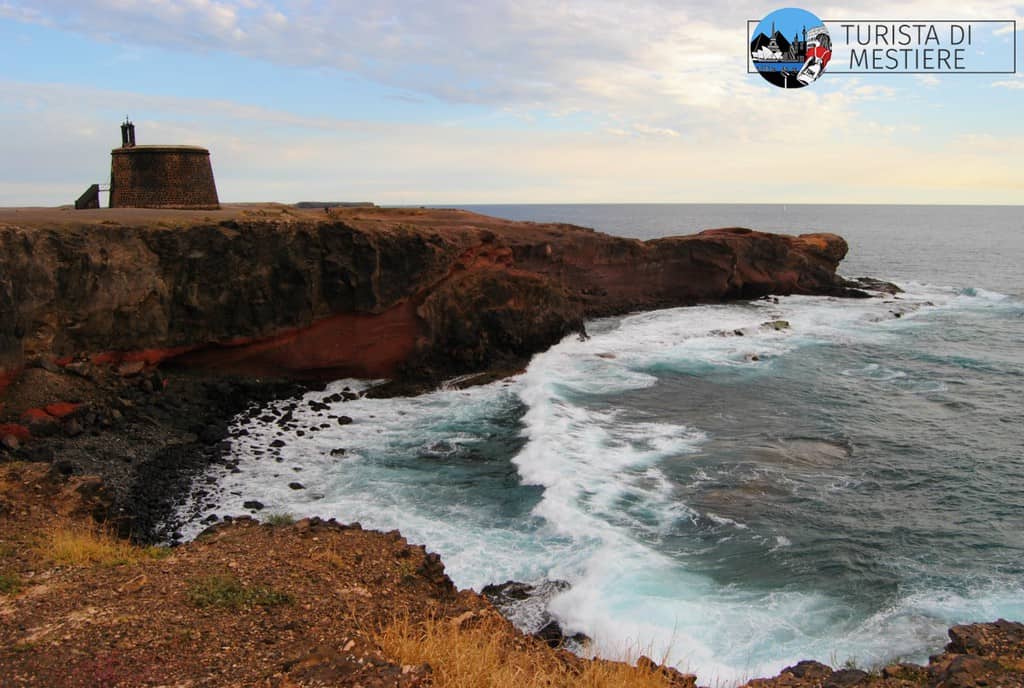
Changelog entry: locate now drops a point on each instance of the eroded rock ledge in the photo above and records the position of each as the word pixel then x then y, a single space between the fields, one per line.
pixel 367 292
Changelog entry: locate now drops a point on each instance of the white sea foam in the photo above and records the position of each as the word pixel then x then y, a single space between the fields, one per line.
pixel 601 498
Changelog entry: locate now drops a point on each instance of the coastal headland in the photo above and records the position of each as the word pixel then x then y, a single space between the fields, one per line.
pixel 367 292
pixel 128 340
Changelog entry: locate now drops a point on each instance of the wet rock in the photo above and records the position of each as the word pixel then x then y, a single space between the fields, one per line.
pixel 277 444
pixel 552 634
pixel 253 505
pixel 339 452
pixel 344 420
pixel 776 325
pixel 526 605
pixel 872 284
pixel 297 486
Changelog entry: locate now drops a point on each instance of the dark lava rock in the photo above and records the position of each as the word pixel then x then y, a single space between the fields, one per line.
pixel 526 606
pixel 212 434
pixel 338 452
pixel 809 669
pixel 968 671
pixel 277 444
pixel 872 284
pixel 252 504
pixel 554 636
pixel 47 364
pixel 297 486
pixel 73 428
pixel 846 678
pixel 1001 637
pixel 344 420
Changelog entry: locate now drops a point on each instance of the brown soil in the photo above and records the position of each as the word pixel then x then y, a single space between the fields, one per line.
pixel 315 596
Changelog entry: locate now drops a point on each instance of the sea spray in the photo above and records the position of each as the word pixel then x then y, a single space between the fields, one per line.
pixel 732 496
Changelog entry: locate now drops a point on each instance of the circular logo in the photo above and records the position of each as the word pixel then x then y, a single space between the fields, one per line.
pixel 791 48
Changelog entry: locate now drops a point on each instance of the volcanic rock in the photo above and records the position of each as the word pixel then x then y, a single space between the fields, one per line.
pixel 367 292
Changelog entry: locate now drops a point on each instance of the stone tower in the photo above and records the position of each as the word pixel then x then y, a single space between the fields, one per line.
pixel 179 177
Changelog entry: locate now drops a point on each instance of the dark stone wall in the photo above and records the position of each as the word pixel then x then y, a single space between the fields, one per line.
pixel 162 177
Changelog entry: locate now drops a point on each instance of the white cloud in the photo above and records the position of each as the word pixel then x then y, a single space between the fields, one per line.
pixel 1017 82
pixel 663 81
pixel 66 133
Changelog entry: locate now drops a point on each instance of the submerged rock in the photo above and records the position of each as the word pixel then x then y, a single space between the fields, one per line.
pixel 873 284
pixel 526 606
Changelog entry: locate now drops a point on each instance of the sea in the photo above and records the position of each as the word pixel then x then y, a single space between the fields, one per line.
pixel 722 495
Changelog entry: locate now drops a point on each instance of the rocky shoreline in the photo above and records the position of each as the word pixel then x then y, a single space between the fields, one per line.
pixel 130 338
pixel 315 603
pixel 129 343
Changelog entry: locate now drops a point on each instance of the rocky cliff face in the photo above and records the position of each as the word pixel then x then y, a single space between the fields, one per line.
pixel 363 292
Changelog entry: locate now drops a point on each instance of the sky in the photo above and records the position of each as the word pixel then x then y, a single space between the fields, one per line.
pixel 494 101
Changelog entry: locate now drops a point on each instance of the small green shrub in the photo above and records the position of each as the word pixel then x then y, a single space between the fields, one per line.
pixel 231 593
pixel 283 519
pixel 10 583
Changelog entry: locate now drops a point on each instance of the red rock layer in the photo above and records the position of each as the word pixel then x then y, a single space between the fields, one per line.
pixel 365 292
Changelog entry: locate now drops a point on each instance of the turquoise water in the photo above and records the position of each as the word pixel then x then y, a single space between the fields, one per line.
pixel 843 489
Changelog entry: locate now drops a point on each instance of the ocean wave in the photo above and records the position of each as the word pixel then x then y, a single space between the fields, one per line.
pixel 557 474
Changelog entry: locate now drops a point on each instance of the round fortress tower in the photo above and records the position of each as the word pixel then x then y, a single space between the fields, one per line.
pixel 175 177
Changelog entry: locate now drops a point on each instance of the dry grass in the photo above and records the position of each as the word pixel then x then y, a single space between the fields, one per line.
pixel 487 655
pixel 91 545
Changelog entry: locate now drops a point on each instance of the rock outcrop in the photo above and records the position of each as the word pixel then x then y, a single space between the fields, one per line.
pixel 984 654
pixel 364 292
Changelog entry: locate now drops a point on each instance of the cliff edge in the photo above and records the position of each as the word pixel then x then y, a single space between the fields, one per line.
pixel 366 292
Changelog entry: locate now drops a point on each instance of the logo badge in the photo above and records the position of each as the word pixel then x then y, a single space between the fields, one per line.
pixel 791 48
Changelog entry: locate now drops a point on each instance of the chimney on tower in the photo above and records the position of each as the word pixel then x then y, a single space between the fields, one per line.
pixel 127 133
